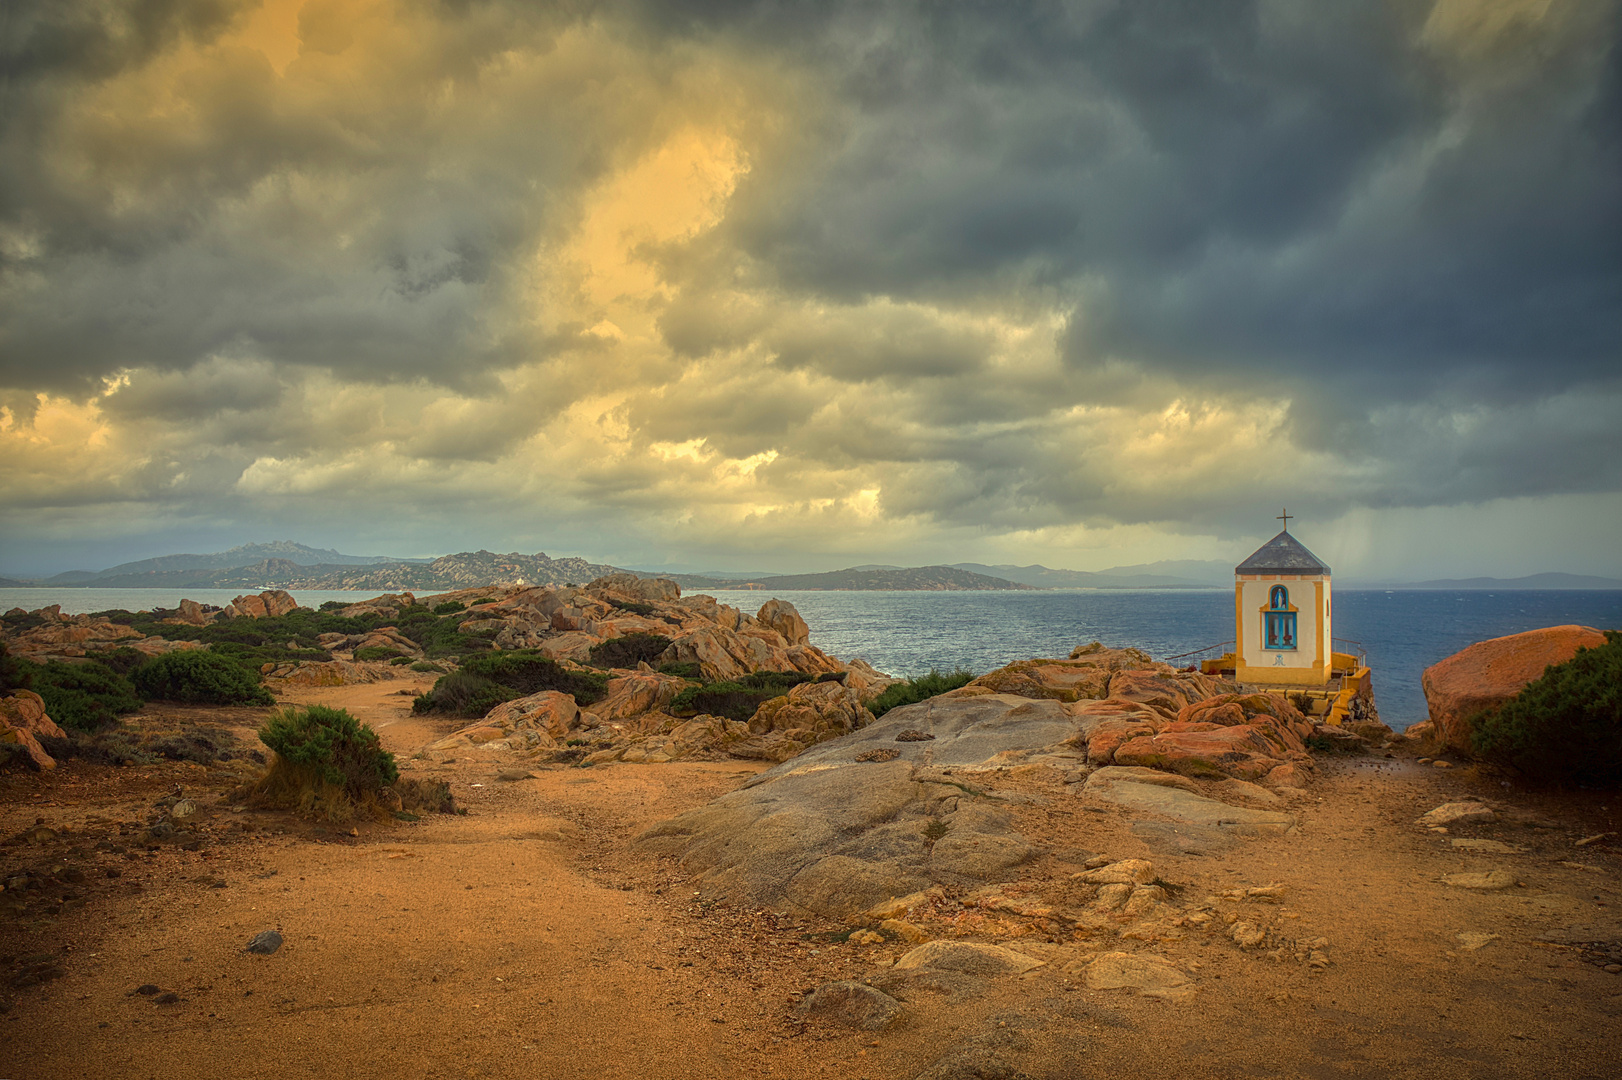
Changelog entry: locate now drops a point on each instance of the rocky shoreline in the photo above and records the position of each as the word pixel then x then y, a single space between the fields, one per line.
pixel 1071 865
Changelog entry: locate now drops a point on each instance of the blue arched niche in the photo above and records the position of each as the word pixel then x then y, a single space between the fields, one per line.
pixel 1278 621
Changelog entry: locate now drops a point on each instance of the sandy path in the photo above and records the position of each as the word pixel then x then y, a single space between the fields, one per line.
pixel 528 939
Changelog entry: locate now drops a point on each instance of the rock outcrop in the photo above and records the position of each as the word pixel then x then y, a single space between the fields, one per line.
pixel 1489 673
pixel 23 721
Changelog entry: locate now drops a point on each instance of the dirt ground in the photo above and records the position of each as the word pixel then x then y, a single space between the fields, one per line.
pixel 529 938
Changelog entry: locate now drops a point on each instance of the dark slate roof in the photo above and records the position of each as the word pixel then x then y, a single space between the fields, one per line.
pixel 1283 554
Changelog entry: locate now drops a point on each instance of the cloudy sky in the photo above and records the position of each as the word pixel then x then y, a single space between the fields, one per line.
pixel 794 286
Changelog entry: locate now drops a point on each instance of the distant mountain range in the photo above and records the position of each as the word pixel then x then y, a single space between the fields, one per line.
pixel 1180 574
pixel 246 555
pixel 1533 581
pixel 284 564
pixel 899 578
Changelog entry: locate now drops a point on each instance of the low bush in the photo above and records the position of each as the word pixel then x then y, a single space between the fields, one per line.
pixel 327 763
pixel 252 657
pixel 529 672
pixel 85 696
pixel 378 652
pixel 426 665
pixel 488 679
pixel 449 607
pixel 629 651
pixel 1565 727
pixel 15 672
pixel 483 600
pixel 200 677
pixel 736 700
pixel 922 688
pixel 462 693
pixel 688 670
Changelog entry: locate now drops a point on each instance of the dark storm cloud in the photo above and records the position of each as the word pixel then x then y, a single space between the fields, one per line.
pixel 1279 188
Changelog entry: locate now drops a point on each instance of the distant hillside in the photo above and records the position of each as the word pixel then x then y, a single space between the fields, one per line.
pixel 901 579
pixel 469 569
pixel 244 556
pixel 1203 575
pixel 1533 581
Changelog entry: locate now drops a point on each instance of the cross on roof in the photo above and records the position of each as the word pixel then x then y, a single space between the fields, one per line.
pixel 1285 517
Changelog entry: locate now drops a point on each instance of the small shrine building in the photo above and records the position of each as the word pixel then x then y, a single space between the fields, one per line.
pixel 1281 597
pixel 1283 637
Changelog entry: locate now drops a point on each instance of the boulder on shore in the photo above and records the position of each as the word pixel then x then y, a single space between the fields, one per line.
pixel 22 721
pixel 1489 673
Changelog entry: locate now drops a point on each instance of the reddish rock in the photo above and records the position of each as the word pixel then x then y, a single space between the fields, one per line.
pixel 1112 722
pixel 1241 751
pixel 1489 673
pixel 1059 680
pixel 637 693
pixel 1166 692
pixel 782 617
pixel 808 714
pixel 1279 722
pixel 22 721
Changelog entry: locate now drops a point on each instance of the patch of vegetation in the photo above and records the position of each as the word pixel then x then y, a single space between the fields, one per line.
pixel 488 679
pixel 1320 743
pixel 688 670
pixel 15 672
pixel 736 700
pixel 379 652
pixel 86 696
pixel 936 829
pixel 483 600
pixel 126 746
pixel 1565 727
pixel 463 694
pixel 253 657
pixel 449 607
pixel 122 659
pixel 23 620
pixel 327 763
pixel 629 651
pixel 426 665
pixel 200 677
pixel 635 608
pixel 922 688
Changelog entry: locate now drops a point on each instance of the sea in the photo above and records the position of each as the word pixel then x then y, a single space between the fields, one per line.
pixel 1401 631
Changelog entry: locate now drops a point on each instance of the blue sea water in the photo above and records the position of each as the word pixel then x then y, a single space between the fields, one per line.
pixel 1402 631
pixel 908 633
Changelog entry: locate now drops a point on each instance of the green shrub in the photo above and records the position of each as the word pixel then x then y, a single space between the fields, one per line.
pixel 449 607
pixel 920 689
pixel 15 672
pixel 85 696
pixel 1565 727
pixel 122 659
pixel 483 600
pixel 629 651
pixel 201 677
pixel 529 672
pixel 688 670
pixel 377 652
pixel 462 693
pixel 634 607
pixel 252 657
pixel 736 700
pixel 488 679
pixel 426 665
pixel 327 763
pixel 331 745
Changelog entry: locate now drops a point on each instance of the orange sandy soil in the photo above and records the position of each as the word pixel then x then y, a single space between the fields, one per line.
pixel 529 939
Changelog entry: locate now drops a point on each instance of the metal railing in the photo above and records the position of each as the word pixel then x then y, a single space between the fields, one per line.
pixel 1196 652
pixel 1362 653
